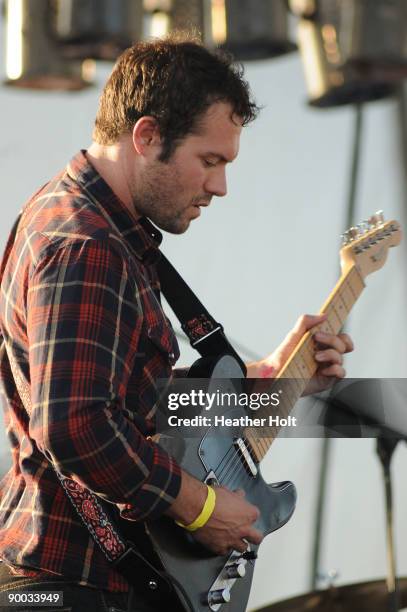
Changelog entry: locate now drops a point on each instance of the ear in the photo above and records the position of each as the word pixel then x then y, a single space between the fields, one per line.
pixel 146 136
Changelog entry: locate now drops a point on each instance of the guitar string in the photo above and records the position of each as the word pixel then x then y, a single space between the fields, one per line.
pixel 231 467
pixel 223 472
pixel 242 480
pixel 220 469
pixel 235 470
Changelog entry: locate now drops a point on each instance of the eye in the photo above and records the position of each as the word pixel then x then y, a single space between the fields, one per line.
pixel 209 163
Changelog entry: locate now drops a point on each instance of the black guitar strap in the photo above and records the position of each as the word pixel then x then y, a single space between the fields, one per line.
pixel 205 334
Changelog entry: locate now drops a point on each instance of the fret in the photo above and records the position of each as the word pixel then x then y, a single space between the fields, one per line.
pixel 355 283
pixel 335 309
pixel 292 371
pixel 347 296
pixel 327 327
pixel 342 307
pixel 307 360
pixel 291 392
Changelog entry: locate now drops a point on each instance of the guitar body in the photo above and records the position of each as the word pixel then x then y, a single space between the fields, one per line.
pixel 206 453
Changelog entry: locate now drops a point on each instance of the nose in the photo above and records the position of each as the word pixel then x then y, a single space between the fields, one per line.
pixel 216 182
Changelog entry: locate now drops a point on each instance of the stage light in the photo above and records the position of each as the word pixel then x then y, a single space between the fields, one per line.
pixel 98 29
pixel 252 29
pixel 33 59
pixel 352 50
pixel 249 29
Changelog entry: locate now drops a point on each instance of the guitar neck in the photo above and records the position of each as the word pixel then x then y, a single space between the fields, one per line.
pixel 301 365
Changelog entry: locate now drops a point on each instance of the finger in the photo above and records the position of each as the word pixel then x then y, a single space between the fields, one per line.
pixel 254 513
pixel 330 356
pixel 347 340
pixel 240 545
pixel 240 492
pixel 332 340
pixel 334 371
pixel 253 535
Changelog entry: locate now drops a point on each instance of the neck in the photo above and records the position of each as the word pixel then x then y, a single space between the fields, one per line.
pixel 301 365
pixel 110 163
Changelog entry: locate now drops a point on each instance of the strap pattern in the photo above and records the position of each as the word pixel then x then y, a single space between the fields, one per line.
pixel 83 500
pixel 198 327
pixel 95 518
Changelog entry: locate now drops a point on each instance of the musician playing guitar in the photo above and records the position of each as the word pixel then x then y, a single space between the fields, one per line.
pixel 83 329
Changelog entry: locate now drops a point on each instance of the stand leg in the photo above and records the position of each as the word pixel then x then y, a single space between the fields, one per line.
pixel 385 448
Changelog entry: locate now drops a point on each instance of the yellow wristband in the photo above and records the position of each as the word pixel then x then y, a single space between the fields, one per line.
pixel 205 514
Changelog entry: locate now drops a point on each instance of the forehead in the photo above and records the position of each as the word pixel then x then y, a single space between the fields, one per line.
pixel 218 132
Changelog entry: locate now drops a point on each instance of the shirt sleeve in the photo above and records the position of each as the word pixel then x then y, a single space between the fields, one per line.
pixel 83 324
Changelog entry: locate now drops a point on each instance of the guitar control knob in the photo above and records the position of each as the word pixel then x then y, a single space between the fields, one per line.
pixel 250 555
pixel 219 597
pixel 237 570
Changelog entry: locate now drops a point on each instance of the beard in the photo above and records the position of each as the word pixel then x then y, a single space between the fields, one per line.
pixel 158 195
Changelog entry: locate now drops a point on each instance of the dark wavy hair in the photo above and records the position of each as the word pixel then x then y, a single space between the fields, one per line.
pixel 175 80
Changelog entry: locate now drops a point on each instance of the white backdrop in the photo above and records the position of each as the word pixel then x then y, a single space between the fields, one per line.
pixel 260 257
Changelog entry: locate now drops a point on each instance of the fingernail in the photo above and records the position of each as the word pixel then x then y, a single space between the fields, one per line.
pixel 319 356
pixel 320 336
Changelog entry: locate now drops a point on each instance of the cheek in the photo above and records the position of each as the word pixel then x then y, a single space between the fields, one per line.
pixel 195 180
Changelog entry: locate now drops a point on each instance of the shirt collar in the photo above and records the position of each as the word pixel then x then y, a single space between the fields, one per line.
pixel 142 236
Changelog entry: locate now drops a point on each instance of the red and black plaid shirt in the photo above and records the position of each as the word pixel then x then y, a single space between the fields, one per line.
pixel 81 320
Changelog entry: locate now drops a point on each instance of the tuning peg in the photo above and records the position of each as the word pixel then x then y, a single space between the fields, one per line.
pixel 350 235
pixel 346 237
pixel 377 218
pixel 363 227
pixel 353 233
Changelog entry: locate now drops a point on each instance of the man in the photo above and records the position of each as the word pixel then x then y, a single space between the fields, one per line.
pixel 85 338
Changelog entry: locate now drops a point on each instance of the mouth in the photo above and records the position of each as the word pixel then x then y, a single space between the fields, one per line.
pixel 197 207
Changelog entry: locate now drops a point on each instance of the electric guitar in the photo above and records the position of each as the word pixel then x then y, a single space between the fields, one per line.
pixel 210 582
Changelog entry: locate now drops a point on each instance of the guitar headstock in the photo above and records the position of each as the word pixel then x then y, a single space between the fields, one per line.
pixel 367 244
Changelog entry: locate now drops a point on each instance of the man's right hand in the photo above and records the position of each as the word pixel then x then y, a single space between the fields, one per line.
pixel 230 524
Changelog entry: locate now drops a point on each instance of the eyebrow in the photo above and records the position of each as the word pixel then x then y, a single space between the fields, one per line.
pixel 219 156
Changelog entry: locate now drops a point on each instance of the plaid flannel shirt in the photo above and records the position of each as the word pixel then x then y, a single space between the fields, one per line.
pixel 81 317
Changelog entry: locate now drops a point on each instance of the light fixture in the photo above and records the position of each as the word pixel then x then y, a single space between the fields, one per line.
pixel 98 29
pixel 33 59
pixel 352 50
pixel 253 29
pixel 249 29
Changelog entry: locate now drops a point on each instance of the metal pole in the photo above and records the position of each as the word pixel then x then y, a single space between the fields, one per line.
pixel 402 130
pixel 327 442
pixel 385 448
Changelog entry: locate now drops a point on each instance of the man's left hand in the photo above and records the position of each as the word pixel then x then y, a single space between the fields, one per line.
pixel 329 351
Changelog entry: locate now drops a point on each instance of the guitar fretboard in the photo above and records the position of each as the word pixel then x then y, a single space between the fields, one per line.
pixel 301 365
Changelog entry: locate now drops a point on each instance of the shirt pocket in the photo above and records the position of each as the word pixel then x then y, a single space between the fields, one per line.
pixel 162 335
